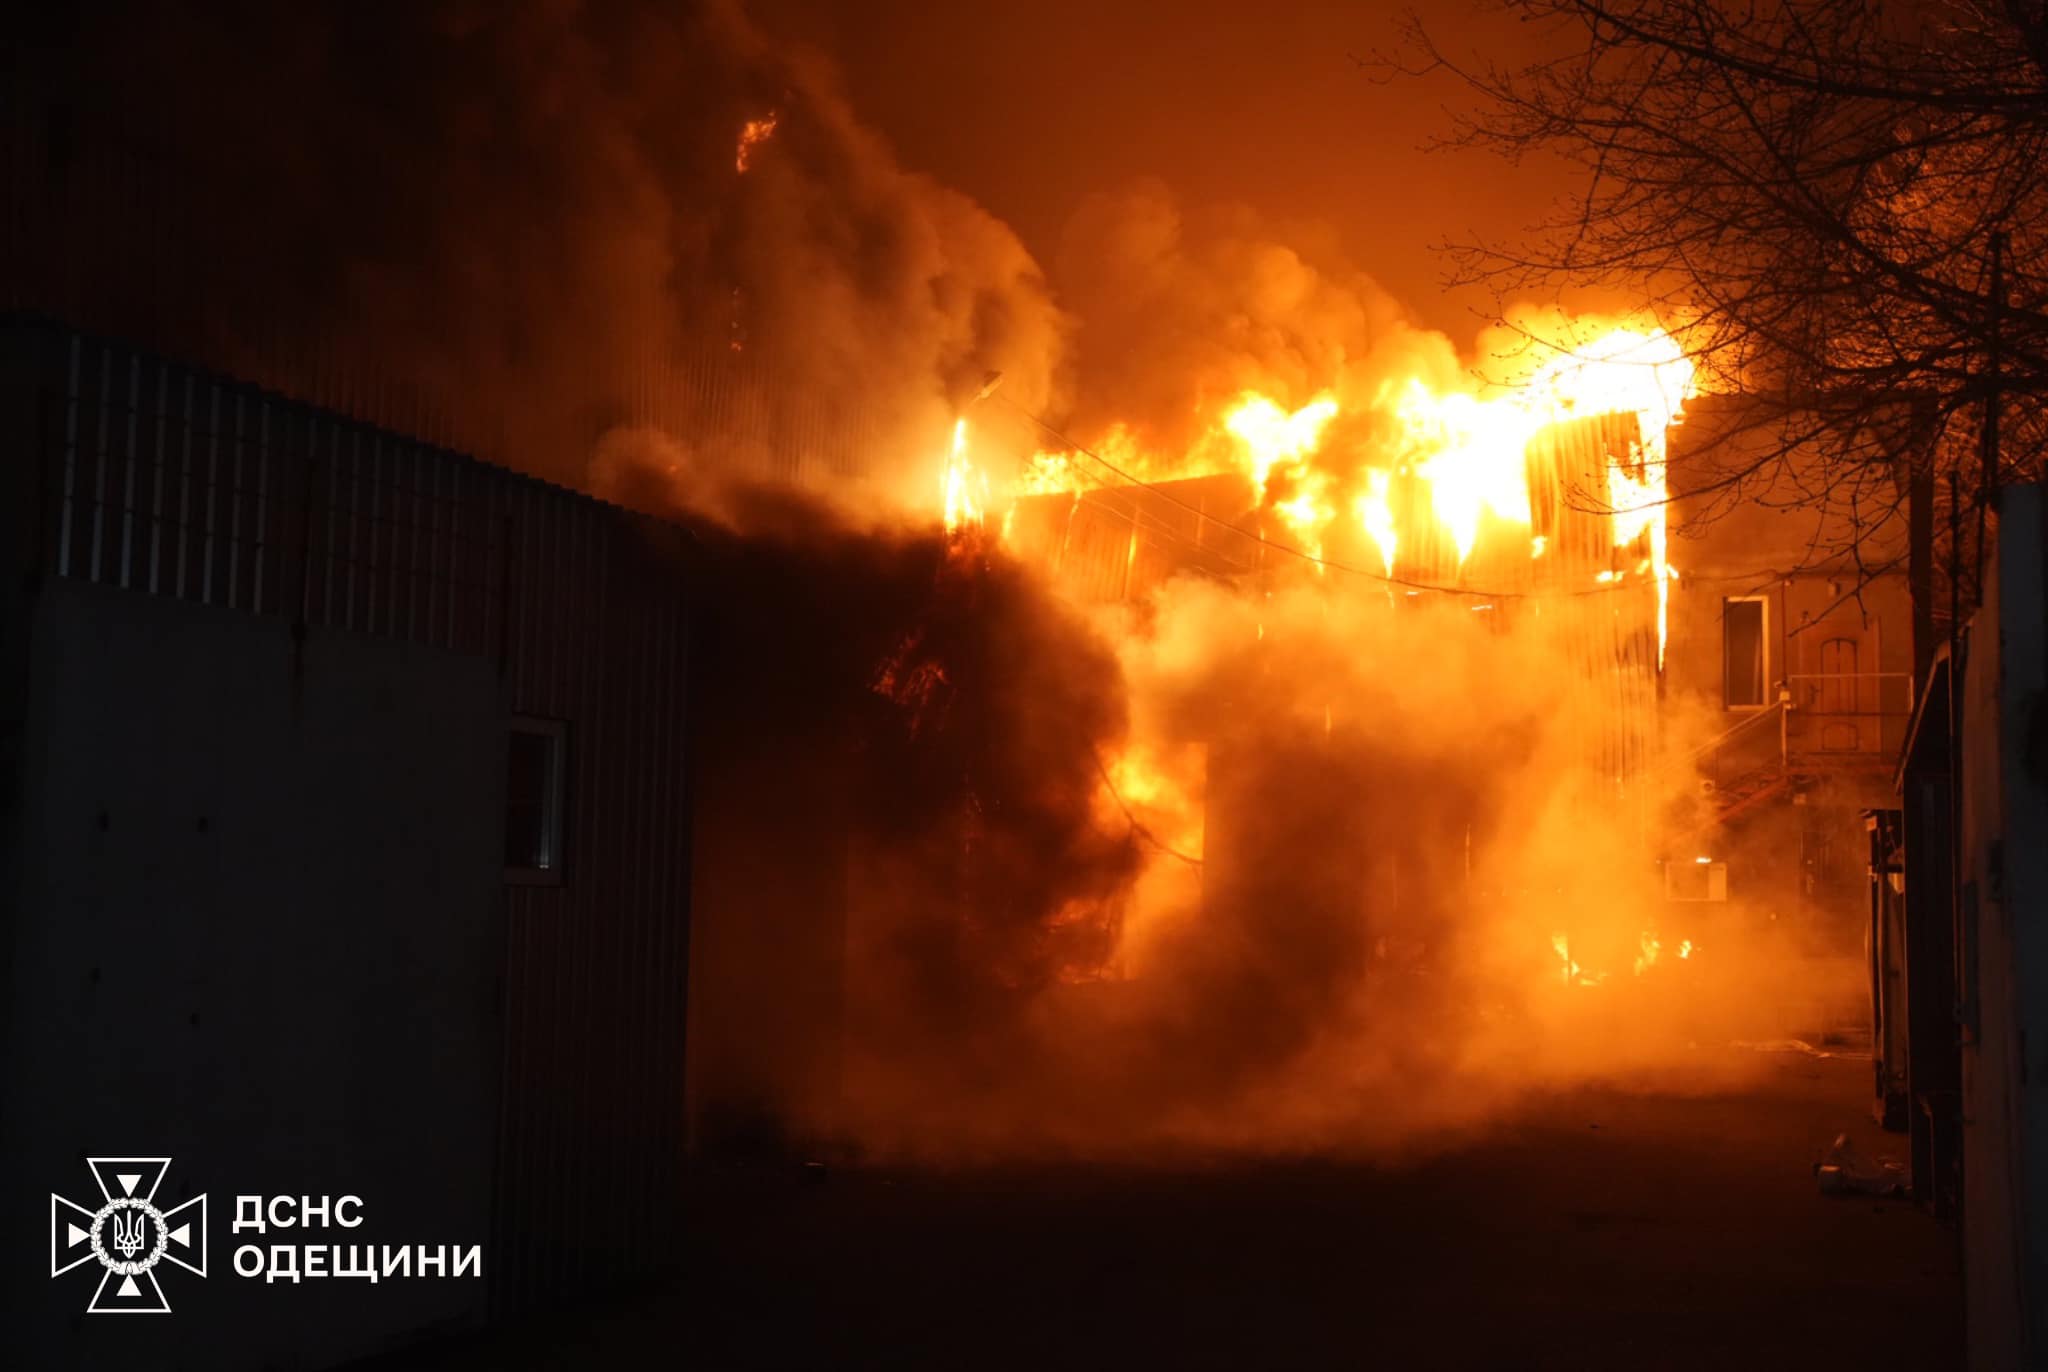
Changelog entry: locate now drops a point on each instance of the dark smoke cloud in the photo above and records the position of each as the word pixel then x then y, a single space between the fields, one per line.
pixel 919 923
pixel 1182 309
pixel 898 848
pixel 521 225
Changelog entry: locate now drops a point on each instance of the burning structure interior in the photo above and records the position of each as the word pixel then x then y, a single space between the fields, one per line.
pixel 1176 808
pixel 1320 756
pixel 1311 826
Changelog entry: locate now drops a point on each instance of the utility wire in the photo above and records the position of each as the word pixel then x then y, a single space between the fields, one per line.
pixel 1136 828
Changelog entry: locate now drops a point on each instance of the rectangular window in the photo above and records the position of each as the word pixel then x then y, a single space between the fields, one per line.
pixel 1699 879
pixel 535 769
pixel 1742 653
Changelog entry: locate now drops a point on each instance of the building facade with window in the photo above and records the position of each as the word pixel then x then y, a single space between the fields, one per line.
pixel 1790 656
pixel 344 842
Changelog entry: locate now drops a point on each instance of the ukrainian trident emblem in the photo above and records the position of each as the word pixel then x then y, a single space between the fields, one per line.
pixel 128 1235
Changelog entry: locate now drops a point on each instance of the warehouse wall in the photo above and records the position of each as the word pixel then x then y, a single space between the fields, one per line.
pixel 257 933
pixel 219 597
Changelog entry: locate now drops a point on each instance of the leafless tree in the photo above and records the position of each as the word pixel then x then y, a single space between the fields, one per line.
pixel 1844 203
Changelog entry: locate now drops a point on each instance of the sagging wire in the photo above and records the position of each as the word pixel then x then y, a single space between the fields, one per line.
pixel 1138 829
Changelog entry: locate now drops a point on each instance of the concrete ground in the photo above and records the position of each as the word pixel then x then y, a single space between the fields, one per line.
pixel 1596 1230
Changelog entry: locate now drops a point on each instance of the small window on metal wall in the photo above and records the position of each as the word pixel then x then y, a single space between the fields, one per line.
pixel 536 763
pixel 1742 653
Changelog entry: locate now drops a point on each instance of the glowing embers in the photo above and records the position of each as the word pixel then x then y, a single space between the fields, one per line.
pixel 1649 949
pixel 753 134
pixel 1650 945
pixel 1572 973
pixel 914 681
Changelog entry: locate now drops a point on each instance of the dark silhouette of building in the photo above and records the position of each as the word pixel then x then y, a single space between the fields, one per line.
pixel 345 847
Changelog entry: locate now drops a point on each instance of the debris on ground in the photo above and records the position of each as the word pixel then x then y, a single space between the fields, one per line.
pixel 1795 1046
pixel 1846 1171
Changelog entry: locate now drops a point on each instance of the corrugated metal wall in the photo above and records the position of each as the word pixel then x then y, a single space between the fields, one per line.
pixel 162 479
pixel 592 1138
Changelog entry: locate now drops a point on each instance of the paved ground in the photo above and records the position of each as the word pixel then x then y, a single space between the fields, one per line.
pixel 1599 1230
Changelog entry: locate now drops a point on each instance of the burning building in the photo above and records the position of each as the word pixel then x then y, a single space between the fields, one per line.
pixel 1417 719
pixel 1238 729
pixel 1401 757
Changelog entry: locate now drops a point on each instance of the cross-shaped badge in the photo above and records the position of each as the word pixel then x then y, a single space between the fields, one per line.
pixel 128 1235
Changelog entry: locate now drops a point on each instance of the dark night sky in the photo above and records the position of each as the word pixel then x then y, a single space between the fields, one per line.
pixel 1030 107
pixel 528 215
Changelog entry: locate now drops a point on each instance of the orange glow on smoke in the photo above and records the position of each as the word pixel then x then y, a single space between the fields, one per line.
pixel 1431 477
pixel 753 134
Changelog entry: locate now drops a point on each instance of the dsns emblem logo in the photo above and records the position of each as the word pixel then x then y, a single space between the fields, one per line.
pixel 128 1236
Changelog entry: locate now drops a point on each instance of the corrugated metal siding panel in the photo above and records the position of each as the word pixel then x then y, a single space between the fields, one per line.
pixel 592 1132
pixel 174 482
pixel 168 481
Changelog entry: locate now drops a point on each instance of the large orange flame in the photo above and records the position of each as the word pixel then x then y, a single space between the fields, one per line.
pixel 1456 461
pixel 963 489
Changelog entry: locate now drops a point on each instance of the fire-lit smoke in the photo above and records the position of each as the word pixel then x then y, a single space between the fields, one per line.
pixel 1278 860
pixel 1334 852
pixel 1375 893
pixel 519 228
pixel 1344 835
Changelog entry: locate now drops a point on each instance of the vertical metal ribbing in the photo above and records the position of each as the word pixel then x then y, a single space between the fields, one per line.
pixel 435 575
pixel 413 560
pixel 375 516
pixel 263 545
pixel 156 493
pixel 456 565
pixel 102 460
pixel 73 400
pixel 184 539
pixel 128 470
pixel 355 522
pixel 330 549
pixel 590 1086
pixel 212 489
pixel 234 537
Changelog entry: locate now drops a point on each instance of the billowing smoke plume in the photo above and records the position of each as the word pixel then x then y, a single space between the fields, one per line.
pixel 1284 862
pixel 1413 902
pixel 523 227
pixel 1181 311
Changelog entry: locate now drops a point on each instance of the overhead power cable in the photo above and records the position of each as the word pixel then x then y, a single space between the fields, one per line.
pixel 1137 828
